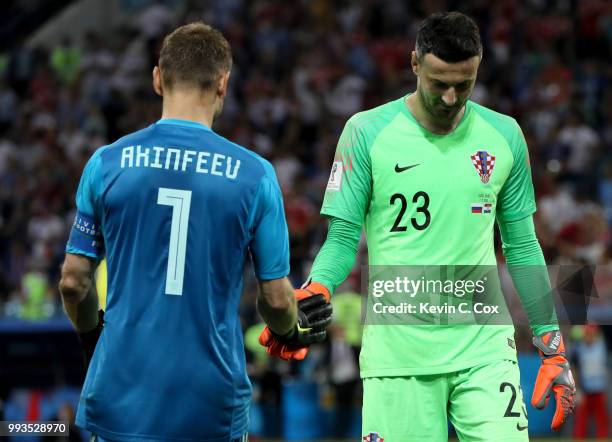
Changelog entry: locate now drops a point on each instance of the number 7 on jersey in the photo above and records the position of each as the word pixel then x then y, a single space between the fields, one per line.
pixel 180 201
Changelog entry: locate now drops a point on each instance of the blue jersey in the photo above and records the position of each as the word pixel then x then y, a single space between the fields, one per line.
pixel 176 209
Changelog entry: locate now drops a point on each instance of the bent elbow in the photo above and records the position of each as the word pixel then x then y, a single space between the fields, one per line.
pixel 73 289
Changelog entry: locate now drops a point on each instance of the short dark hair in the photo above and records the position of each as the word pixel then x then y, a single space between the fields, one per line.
pixel 194 55
pixel 450 36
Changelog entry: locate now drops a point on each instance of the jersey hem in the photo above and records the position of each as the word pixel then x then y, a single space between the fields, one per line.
pixel 439 369
pixel 342 214
pixel 82 253
pixel 146 437
pixel 516 216
pixel 544 329
pixel 270 276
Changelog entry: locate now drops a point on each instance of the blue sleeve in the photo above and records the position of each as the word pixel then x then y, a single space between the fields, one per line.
pixel 270 242
pixel 86 234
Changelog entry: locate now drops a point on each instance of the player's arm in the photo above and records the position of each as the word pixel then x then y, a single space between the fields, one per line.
pixel 347 200
pixel 524 257
pixel 78 290
pixel 528 271
pixel 331 267
pixel 337 255
pixel 527 268
pixel 295 318
pixel 270 253
pixel 84 250
pixel 80 299
pixel 277 306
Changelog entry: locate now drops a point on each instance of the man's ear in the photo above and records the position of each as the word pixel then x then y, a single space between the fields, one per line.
pixel 157 83
pixel 222 85
pixel 414 62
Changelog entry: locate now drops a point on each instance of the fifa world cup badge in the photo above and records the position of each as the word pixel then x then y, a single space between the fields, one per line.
pixel 335 177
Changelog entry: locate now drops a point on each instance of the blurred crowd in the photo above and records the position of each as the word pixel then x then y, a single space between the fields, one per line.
pixel 301 69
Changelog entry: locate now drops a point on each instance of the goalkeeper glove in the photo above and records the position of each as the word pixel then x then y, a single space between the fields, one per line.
pixel 554 376
pixel 314 315
pixel 90 339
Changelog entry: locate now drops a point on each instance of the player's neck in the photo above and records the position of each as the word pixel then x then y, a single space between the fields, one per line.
pixel 416 108
pixel 181 105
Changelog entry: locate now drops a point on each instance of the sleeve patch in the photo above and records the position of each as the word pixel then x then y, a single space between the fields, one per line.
pixel 86 236
pixel 335 177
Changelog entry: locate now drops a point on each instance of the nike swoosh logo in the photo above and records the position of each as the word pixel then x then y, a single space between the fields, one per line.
pixel 518 427
pixel 303 329
pixel 399 169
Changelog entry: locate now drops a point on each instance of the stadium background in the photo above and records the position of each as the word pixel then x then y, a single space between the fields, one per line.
pixel 76 74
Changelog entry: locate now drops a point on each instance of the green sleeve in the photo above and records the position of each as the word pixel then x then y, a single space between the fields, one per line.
pixel 337 256
pixel 528 270
pixel 516 198
pixel 348 191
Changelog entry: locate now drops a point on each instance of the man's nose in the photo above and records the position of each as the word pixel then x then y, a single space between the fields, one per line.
pixel 450 97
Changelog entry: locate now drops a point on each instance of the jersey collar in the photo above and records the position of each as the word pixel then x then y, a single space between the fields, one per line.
pixel 457 130
pixel 185 123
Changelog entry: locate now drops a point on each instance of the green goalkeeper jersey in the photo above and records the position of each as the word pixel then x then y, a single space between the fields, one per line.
pixel 430 200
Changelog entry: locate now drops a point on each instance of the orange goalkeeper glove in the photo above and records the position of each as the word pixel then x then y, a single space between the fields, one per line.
pixel 314 315
pixel 554 376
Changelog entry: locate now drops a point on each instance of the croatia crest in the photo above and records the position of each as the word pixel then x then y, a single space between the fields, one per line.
pixel 484 163
pixel 373 437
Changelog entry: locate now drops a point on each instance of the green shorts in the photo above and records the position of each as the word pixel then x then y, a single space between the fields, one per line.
pixel 484 403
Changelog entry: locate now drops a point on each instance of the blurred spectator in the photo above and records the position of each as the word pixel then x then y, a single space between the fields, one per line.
pixel 154 19
pixel 8 104
pixel 45 230
pixel 582 141
pixel 590 358
pixel 343 354
pixel 344 378
pixel 34 300
pixel 65 61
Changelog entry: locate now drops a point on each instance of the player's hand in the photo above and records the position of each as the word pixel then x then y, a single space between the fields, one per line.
pixel 554 376
pixel 314 315
pixel 90 339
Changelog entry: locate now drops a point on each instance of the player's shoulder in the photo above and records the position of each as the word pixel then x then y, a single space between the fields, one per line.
pixel 254 162
pixel 375 119
pixel 505 124
pixel 244 154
